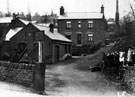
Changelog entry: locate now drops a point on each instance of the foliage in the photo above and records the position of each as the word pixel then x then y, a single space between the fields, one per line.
pixel 92 60
pixel 126 36
pixel 129 77
pixel 127 25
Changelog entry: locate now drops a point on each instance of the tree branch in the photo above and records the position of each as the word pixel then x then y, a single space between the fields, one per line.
pixel 132 11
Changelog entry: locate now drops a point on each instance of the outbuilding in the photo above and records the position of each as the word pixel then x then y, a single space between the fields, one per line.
pixel 35 43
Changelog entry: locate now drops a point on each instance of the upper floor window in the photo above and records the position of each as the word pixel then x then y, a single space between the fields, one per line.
pixel 68 36
pixel 79 24
pixel 68 24
pixel 90 37
pixel 90 24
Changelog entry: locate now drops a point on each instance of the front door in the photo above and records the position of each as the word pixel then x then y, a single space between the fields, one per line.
pixel 56 53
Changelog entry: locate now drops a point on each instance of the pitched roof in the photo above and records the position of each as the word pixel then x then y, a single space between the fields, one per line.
pixel 9 19
pixel 27 22
pixel 5 20
pixel 81 15
pixel 11 33
pixel 52 35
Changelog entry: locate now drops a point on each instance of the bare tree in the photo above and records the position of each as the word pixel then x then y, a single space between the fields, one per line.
pixel 132 10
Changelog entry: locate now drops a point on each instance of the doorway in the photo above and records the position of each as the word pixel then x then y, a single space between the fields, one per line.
pixel 57 53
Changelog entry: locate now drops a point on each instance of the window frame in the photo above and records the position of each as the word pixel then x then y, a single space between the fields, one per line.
pixel 68 24
pixel 90 37
pixel 79 24
pixel 90 24
pixel 68 36
pixel 79 39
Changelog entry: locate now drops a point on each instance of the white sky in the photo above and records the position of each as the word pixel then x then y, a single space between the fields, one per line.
pixel 46 6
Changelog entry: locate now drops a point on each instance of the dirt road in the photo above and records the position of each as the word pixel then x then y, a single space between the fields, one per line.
pixel 64 80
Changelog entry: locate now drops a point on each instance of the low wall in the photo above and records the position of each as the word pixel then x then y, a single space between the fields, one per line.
pixel 19 73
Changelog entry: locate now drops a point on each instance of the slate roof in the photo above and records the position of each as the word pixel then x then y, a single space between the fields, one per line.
pixel 5 20
pixel 9 19
pixel 11 33
pixel 52 35
pixel 27 22
pixel 81 15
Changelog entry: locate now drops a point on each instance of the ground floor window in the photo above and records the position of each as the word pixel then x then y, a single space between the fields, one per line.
pixel 68 36
pixel 67 48
pixel 90 37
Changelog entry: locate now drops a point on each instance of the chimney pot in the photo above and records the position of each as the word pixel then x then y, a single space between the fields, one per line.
pixel 102 9
pixel 14 16
pixel 51 27
pixel 62 10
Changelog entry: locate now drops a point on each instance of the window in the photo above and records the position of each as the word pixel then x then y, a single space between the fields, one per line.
pixel 21 46
pixel 79 38
pixel 90 24
pixel 68 24
pixel 67 48
pixel 68 36
pixel 90 37
pixel 79 24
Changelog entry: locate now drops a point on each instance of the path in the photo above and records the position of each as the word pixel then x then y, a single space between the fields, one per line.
pixel 76 83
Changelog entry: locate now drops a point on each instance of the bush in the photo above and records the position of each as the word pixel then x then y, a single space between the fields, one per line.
pixel 129 78
pixel 94 60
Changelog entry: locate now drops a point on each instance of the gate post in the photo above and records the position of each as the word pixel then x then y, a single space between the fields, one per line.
pixel 39 80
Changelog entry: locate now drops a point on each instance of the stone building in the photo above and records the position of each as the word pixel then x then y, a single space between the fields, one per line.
pixel 34 43
pixel 83 28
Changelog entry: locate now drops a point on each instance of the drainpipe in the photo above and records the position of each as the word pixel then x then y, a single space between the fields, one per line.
pixel 40 51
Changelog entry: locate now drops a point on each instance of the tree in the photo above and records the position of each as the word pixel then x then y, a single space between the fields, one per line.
pixel 8 14
pixel 132 12
pixel 1 14
pixel 36 17
pixel 127 25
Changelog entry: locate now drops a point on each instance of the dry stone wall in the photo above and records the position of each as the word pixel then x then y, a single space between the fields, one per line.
pixel 19 73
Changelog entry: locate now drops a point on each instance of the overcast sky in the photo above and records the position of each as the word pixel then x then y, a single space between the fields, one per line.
pixel 45 6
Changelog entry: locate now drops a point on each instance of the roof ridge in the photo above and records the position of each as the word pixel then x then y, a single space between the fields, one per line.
pixel 82 12
pixel 41 25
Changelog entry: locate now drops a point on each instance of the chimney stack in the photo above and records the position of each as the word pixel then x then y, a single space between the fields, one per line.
pixel 102 9
pixel 117 13
pixel 62 10
pixel 51 27
pixel 14 16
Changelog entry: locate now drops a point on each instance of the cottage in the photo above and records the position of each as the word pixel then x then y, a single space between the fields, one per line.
pixel 83 28
pixel 36 43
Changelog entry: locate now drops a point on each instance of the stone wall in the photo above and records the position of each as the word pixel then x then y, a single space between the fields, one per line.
pixel 19 73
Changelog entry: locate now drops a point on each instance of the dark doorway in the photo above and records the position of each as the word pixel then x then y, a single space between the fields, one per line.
pixel 56 53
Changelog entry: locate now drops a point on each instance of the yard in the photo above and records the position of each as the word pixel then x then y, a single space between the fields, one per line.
pixel 74 79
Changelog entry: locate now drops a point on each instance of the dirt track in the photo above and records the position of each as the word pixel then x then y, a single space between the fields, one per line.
pixel 63 80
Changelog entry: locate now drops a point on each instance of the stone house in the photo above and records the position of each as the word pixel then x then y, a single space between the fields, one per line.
pixel 83 28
